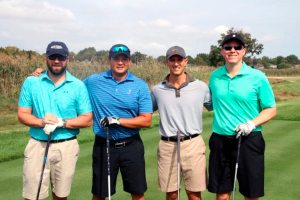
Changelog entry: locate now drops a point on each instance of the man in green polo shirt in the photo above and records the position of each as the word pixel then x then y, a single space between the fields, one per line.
pixel 243 100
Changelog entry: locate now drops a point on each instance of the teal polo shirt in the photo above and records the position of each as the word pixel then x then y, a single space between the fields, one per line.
pixel 239 99
pixel 66 100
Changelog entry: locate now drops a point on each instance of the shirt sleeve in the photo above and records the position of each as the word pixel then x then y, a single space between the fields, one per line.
pixel 83 103
pixel 145 101
pixel 265 94
pixel 25 95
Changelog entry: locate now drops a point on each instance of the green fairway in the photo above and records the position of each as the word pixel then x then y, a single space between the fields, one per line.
pixel 282 164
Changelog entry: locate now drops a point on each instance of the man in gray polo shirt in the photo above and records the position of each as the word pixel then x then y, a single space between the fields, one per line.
pixel 179 99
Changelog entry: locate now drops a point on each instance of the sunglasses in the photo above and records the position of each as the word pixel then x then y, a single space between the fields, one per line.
pixel 237 48
pixel 119 49
pixel 58 57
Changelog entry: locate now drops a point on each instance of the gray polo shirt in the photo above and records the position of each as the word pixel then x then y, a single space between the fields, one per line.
pixel 181 109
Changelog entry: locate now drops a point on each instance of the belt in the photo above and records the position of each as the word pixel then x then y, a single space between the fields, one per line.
pixel 56 141
pixel 118 143
pixel 252 134
pixel 174 138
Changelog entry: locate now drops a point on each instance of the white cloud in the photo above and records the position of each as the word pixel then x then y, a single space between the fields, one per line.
pixel 221 29
pixel 34 11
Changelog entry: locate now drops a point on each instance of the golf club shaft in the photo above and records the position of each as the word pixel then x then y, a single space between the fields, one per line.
pixel 236 167
pixel 178 164
pixel 108 163
pixel 43 166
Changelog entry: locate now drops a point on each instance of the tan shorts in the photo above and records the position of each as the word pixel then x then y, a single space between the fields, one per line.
pixel 192 160
pixel 60 165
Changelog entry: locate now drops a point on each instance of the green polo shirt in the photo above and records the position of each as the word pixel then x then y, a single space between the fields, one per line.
pixel 239 99
pixel 66 100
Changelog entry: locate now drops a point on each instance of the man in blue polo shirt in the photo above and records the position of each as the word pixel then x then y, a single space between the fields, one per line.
pixel 122 103
pixel 54 103
pixel 243 100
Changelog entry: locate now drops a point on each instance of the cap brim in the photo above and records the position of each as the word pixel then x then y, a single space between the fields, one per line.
pixel 120 54
pixel 169 56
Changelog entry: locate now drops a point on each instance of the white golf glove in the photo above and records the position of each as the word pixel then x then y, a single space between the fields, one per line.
pixel 109 121
pixel 244 129
pixel 60 123
pixel 49 128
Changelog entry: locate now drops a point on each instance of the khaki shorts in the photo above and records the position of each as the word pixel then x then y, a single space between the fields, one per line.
pixel 192 160
pixel 60 165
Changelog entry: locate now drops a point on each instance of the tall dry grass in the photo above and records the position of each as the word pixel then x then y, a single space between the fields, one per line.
pixel 15 68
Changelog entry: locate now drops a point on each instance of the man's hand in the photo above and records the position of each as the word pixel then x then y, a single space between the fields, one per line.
pixel 244 129
pixel 38 71
pixel 109 121
pixel 50 119
pixel 60 123
pixel 49 128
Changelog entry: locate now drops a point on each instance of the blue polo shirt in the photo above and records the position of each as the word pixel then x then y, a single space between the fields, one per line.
pixel 66 100
pixel 239 99
pixel 125 99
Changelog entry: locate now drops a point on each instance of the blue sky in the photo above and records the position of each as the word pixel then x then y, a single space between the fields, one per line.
pixel 149 26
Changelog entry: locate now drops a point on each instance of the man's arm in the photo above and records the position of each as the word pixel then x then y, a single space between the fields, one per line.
pixel 81 121
pixel 264 116
pixel 25 117
pixel 141 121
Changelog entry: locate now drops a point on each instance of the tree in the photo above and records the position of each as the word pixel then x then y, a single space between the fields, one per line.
pixel 214 56
pixel 86 54
pixel 137 57
pixel 202 59
pixel 191 60
pixel 161 59
pixel 292 59
pixel 252 45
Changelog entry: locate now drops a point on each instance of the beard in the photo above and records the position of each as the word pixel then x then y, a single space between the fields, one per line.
pixel 57 70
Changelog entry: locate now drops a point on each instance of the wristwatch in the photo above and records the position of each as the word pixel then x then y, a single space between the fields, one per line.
pixel 64 123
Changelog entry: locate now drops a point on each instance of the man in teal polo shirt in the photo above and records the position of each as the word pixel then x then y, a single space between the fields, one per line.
pixel 243 100
pixel 54 103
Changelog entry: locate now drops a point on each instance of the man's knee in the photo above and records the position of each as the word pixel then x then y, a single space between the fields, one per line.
pixel 172 195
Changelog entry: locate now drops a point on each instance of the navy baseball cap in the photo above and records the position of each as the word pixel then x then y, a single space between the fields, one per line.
pixel 233 36
pixel 119 49
pixel 175 50
pixel 59 48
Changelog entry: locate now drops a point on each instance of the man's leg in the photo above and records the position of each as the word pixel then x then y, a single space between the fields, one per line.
pixel 138 196
pixel 246 198
pixel 223 196
pixel 54 197
pixel 172 195
pixel 97 198
pixel 193 195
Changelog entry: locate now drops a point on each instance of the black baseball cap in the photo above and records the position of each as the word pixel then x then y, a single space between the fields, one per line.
pixel 175 50
pixel 57 47
pixel 233 36
pixel 119 49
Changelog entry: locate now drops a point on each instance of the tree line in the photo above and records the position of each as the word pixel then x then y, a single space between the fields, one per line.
pixel 213 58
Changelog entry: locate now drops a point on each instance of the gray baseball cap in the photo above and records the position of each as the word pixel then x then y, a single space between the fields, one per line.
pixel 175 50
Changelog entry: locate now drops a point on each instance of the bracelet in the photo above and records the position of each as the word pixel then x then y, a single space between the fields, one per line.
pixel 64 123
pixel 43 123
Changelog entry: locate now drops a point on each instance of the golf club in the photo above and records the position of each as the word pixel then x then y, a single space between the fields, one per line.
pixel 236 166
pixel 108 163
pixel 44 165
pixel 178 164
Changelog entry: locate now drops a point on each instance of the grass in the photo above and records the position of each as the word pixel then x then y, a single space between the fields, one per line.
pixel 282 144
pixel 282 151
